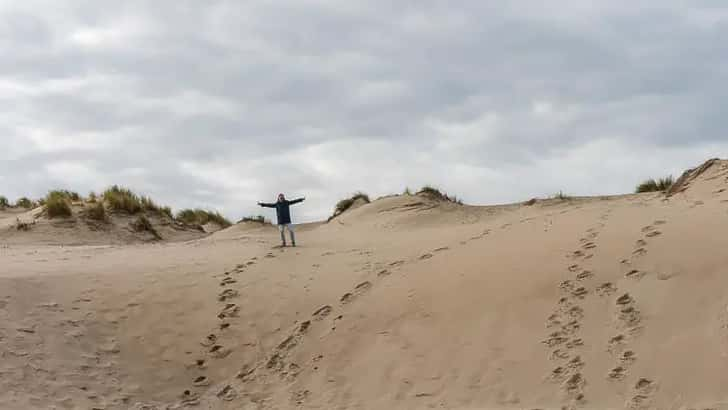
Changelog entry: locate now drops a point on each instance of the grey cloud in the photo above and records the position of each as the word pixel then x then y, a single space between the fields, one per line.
pixel 229 102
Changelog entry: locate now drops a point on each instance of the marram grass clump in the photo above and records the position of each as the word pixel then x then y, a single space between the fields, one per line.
pixel 58 204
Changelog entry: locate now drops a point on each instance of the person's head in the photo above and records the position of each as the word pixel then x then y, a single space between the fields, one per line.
pixel 281 197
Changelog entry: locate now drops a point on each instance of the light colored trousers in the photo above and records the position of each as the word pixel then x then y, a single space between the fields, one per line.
pixel 291 231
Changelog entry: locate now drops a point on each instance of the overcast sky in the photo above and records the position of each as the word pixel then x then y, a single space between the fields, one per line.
pixel 223 103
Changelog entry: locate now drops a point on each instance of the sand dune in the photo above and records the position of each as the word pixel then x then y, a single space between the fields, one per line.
pixel 79 229
pixel 404 303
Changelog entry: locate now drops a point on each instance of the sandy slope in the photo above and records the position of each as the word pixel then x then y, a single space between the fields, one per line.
pixel 403 303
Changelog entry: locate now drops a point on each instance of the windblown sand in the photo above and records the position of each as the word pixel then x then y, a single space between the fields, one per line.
pixel 404 303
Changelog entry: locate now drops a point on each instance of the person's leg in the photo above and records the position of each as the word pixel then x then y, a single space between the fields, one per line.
pixel 283 234
pixel 293 234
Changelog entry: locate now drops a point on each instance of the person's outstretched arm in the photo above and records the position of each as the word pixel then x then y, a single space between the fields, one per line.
pixel 266 205
pixel 295 201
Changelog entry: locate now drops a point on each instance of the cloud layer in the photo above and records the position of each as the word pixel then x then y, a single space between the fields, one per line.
pixel 227 103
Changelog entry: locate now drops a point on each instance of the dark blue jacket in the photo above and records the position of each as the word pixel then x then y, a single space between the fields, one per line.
pixel 283 211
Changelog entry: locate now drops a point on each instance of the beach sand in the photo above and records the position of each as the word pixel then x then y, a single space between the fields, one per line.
pixel 403 303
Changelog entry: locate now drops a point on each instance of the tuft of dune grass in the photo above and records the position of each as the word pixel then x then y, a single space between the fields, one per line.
pixel 142 224
pixel 257 218
pixel 122 199
pixel 431 192
pixel 202 217
pixel 344 205
pixel 97 212
pixel 58 204
pixel 652 185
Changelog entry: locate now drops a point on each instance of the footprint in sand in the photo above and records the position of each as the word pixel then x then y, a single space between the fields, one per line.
pixel 227 393
pixel 589 245
pixel 640 243
pixel 189 398
pixel 635 274
pixel 575 364
pixel 666 276
pixel 571 327
pixel 230 310
pixel 580 292
pixel 583 275
pixel 224 326
pixel 425 256
pixel 630 316
pixel 628 357
pixel 322 312
pixel 659 222
pixel 227 281
pixel 558 375
pixel 209 340
pixel 640 252
pixel 555 339
pixel 363 287
pixel 574 385
pixel 616 343
pixel 576 313
pixel 618 373
pixel 574 268
pixel 553 321
pixel 567 286
pixel 300 396
pixel 559 354
pixel 396 263
pixel 303 328
pixel 643 392
pixel 384 272
pixel 201 381
pixel 625 299
pixel 652 234
pixel 219 352
pixel 358 290
pixel 606 289
pixel 227 294
pixel 444 248
pixel 574 343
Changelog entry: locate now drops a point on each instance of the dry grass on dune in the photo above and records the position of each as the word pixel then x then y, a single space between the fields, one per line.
pixel 58 204
pixel 202 217
pixel 257 218
pixel 143 224
pixel 652 185
pixel 431 192
pixel 97 212
pixel 346 203
pixel 122 199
